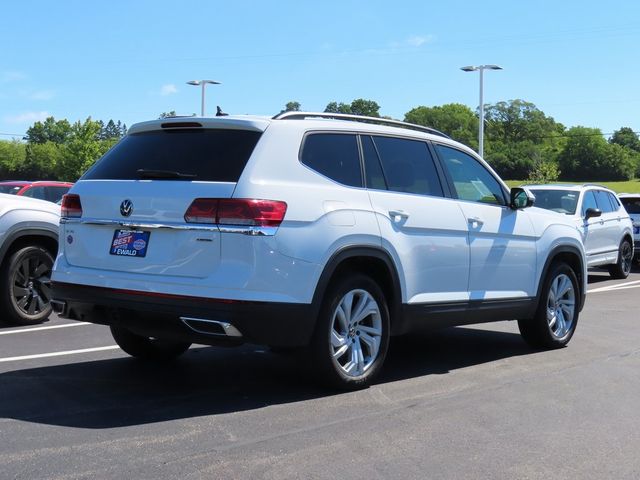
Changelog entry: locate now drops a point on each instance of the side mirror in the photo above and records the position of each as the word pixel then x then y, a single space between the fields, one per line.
pixel 592 212
pixel 521 198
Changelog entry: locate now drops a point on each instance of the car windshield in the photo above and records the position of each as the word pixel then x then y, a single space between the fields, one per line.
pixel 631 205
pixel 12 189
pixel 561 201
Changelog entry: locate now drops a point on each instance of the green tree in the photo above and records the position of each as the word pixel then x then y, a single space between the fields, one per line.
pixel 12 158
pixel 518 136
pixel 292 107
pixel 454 119
pixel 81 150
pixel 587 156
pixel 368 108
pixel 626 137
pixel 42 161
pixel 335 107
pixel 49 131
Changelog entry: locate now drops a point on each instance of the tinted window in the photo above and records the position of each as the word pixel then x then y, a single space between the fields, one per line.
pixel 335 156
pixel 471 180
pixel 373 169
pixel 632 205
pixel 35 192
pixel 615 203
pixel 589 201
pixel 562 201
pixel 604 204
pixel 408 166
pixel 12 189
pixel 54 194
pixel 208 154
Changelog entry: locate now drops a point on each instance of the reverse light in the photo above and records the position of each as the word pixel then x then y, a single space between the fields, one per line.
pixel 71 206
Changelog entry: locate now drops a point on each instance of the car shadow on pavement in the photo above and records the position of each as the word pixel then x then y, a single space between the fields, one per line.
pixel 207 381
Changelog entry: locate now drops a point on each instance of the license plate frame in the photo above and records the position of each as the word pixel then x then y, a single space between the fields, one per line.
pixel 130 243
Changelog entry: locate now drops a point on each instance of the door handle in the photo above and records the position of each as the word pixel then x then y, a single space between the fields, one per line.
pixel 398 215
pixel 475 221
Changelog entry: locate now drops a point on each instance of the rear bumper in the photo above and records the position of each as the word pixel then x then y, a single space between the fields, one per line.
pixel 193 319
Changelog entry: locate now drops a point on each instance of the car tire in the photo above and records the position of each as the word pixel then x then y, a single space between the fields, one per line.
pixel 556 317
pixel 352 333
pixel 147 348
pixel 25 286
pixel 622 267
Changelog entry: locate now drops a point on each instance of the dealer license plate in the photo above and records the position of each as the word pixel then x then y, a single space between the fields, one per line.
pixel 130 243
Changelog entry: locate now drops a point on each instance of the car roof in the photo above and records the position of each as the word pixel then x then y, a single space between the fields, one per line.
pixel 567 186
pixel 629 195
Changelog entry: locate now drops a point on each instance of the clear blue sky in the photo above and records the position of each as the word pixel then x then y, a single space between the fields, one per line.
pixel 129 60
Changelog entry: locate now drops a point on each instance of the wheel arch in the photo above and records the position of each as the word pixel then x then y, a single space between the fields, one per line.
pixel 30 236
pixel 374 262
pixel 573 257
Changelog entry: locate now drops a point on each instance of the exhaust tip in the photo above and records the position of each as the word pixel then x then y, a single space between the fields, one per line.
pixel 211 327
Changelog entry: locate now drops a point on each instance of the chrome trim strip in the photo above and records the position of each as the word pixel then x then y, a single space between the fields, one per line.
pixel 230 330
pixel 251 230
pixel 131 224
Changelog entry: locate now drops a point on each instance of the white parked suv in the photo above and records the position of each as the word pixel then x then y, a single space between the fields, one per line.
pixel 605 226
pixel 326 231
pixel 28 245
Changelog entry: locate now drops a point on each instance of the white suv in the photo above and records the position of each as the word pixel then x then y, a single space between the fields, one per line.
pixel 314 230
pixel 631 203
pixel 605 226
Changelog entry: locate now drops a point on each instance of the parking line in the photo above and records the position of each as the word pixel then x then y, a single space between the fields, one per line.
pixel 617 286
pixel 50 327
pixel 58 354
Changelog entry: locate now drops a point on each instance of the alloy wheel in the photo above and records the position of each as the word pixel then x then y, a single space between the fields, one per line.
pixel 561 306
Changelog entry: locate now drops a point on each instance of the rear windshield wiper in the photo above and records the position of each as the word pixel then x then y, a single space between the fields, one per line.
pixel 145 174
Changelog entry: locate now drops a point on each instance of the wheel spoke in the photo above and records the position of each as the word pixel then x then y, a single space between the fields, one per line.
pixel 45 291
pixel 347 306
pixel 370 330
pixel 337 340
pixel 40 270
pixel 22 303
pixel 341 351
pixel 19 291
pixel 32 306
pixel 342 319
pixel 371 343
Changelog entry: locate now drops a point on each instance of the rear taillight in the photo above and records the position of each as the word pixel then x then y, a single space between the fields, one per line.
pixel 236 211
pixel 71 206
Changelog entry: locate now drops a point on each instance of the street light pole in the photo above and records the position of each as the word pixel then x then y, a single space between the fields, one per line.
pixel 481 69
pixel 203 84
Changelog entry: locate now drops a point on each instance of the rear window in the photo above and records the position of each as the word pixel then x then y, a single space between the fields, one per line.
pixel 561 201
pixel 214 155
pixel 12 189
pixel 632 205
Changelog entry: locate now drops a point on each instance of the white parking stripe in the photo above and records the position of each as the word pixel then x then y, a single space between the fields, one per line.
pixel 617 286
pixel 58 354
pixel 51 327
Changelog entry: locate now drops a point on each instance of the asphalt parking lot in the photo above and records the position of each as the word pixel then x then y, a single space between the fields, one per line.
pixel 472 402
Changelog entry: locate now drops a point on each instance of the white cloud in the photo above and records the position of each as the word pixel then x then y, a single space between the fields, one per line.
pixel 168 89
pixel 41 95
pixel 27 117
pixel 419 40
pixel 12 76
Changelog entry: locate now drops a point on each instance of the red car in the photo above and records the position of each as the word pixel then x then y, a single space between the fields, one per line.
pixel 44 190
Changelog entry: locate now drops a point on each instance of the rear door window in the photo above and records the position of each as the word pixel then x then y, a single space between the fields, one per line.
pixel 201 154
pixel 604 203
pixel 333 155
pixel 408 166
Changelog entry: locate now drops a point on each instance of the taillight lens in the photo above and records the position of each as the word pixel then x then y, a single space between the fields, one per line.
pixel 71 206
pixel 236 211
pixel 202 210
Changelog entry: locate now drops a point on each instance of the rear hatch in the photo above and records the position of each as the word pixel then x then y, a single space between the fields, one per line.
pixel 133 201
pixel 632 205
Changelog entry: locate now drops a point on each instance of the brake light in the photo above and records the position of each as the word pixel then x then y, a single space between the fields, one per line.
pixel 71 206
pixel 236 211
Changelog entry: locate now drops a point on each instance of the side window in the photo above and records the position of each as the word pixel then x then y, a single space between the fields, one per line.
pixel 334 155
pixel 604 204
pixel 471 180
pixel 35 192
pixel 588 201
pixel 408 166
pixel 614 201
pixel 373 170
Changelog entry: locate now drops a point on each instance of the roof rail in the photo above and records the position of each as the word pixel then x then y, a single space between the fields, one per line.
pixel 293 115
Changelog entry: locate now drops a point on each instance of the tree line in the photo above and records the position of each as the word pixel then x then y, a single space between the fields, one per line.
pixel 521 143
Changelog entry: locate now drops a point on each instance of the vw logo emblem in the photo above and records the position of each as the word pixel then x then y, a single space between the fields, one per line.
pixel 126 208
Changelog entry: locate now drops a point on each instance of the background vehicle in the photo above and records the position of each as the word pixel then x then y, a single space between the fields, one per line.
pixel 43 190
pixel 605 225
pixel 327 233
pixel 28 245
pixel 631 203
